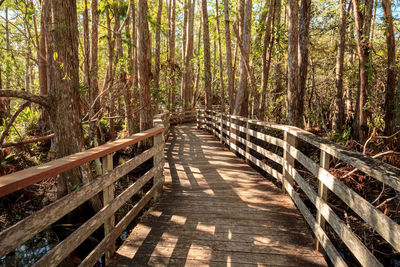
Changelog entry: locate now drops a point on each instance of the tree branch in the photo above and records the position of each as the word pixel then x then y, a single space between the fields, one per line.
pixel 10 123
pixel 38 99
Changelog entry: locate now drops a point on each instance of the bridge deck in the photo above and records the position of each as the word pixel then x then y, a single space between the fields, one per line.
pixel 217 211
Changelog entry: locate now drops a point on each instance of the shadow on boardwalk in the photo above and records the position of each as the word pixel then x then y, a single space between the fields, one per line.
pixel 217 211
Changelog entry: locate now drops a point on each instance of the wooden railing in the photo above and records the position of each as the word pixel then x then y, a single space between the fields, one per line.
pixel 244 136
pixel 14 236
pixel 183 116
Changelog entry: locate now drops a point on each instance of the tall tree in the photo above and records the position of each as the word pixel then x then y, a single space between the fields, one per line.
pixel 304 37
pixel 339 101
pixel 207 56
pixel 86 46
pixel 278 90
pixel 158 47
pixel 363 28
pixel 390 97
pixel 228 45
pixel 143 47
pixel 266 58
pixel 221 67
pixel 187 80
pixel 242 95
pixel 293 67
pixel 172 54
pixel 64 104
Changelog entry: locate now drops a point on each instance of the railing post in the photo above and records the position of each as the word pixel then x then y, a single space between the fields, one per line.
pixel 108 196
pixel 222 126
pixel 247 140
pixel 159 160
pixel 290 140
pixel 229 131
pixel 322 193
pixel 198 119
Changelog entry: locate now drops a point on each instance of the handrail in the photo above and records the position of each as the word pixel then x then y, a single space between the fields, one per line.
pixel 227 128
pixel 14 236
pixel 21 179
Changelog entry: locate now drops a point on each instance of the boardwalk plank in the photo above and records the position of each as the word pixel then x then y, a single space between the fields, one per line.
pixel 217 211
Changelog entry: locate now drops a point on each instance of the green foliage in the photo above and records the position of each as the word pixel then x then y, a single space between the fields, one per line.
pixel 342 137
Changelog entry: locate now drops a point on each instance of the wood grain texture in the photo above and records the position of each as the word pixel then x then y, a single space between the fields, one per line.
pixel 217 211
pixel 22 231
pixel 18 180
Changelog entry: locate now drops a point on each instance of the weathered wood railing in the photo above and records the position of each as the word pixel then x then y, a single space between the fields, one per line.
pixel 183 116
pixel 14 236
pixel 245 137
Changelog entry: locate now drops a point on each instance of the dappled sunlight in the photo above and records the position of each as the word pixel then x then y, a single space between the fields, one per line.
pixel 219 211
pixel 178 219
pixel 205 228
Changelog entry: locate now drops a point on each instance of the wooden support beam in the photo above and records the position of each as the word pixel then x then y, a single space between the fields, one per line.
pixel 248 140
pixel 158 159
pixel 108 196
pixel 322 193
pixel 292 141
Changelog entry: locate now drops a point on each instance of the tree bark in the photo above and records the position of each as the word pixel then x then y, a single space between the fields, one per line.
pixel 94 68
pixel 339 102
pixel 228 45
pixel 363 28
pixel 86 46
pixel 221 67
pixel 128 84
pixel 43 115
pixel 266 59
pixel 278 91
pixel 187 80
pixel 172 56
pixel 143 36
pixel 390 97
pixel 64 106
pixel 242 95
pixel 158 48
pixel 304 38
pixel 293 67
pixel 207 57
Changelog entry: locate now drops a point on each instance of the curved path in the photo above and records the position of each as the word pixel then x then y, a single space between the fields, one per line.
pixel 217 211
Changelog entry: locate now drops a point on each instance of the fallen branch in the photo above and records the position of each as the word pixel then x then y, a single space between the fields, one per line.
pixel 12 120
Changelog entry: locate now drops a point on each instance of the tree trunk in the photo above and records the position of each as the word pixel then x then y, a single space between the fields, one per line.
pixel 119 68
pixel 304 38
pixel 228 45
pixel 128 84
pixel 363 28
pixel 43 115
pixel 64 106
pixel 109 79
pixel 187 80
pixel 242 95
pixel 277 111
pixel 143 36
pixel 266 59
pixel 390 98
pixel 207 57
pixel 86 46
pixel 293 67
pixel 339 103
pixel 158 49
pixel 172 56
pixel 221 67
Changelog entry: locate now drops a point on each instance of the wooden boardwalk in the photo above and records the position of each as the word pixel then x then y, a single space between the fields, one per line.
pixel 217 211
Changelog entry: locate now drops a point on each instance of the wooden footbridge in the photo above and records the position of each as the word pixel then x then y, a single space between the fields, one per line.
pixel 210 207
